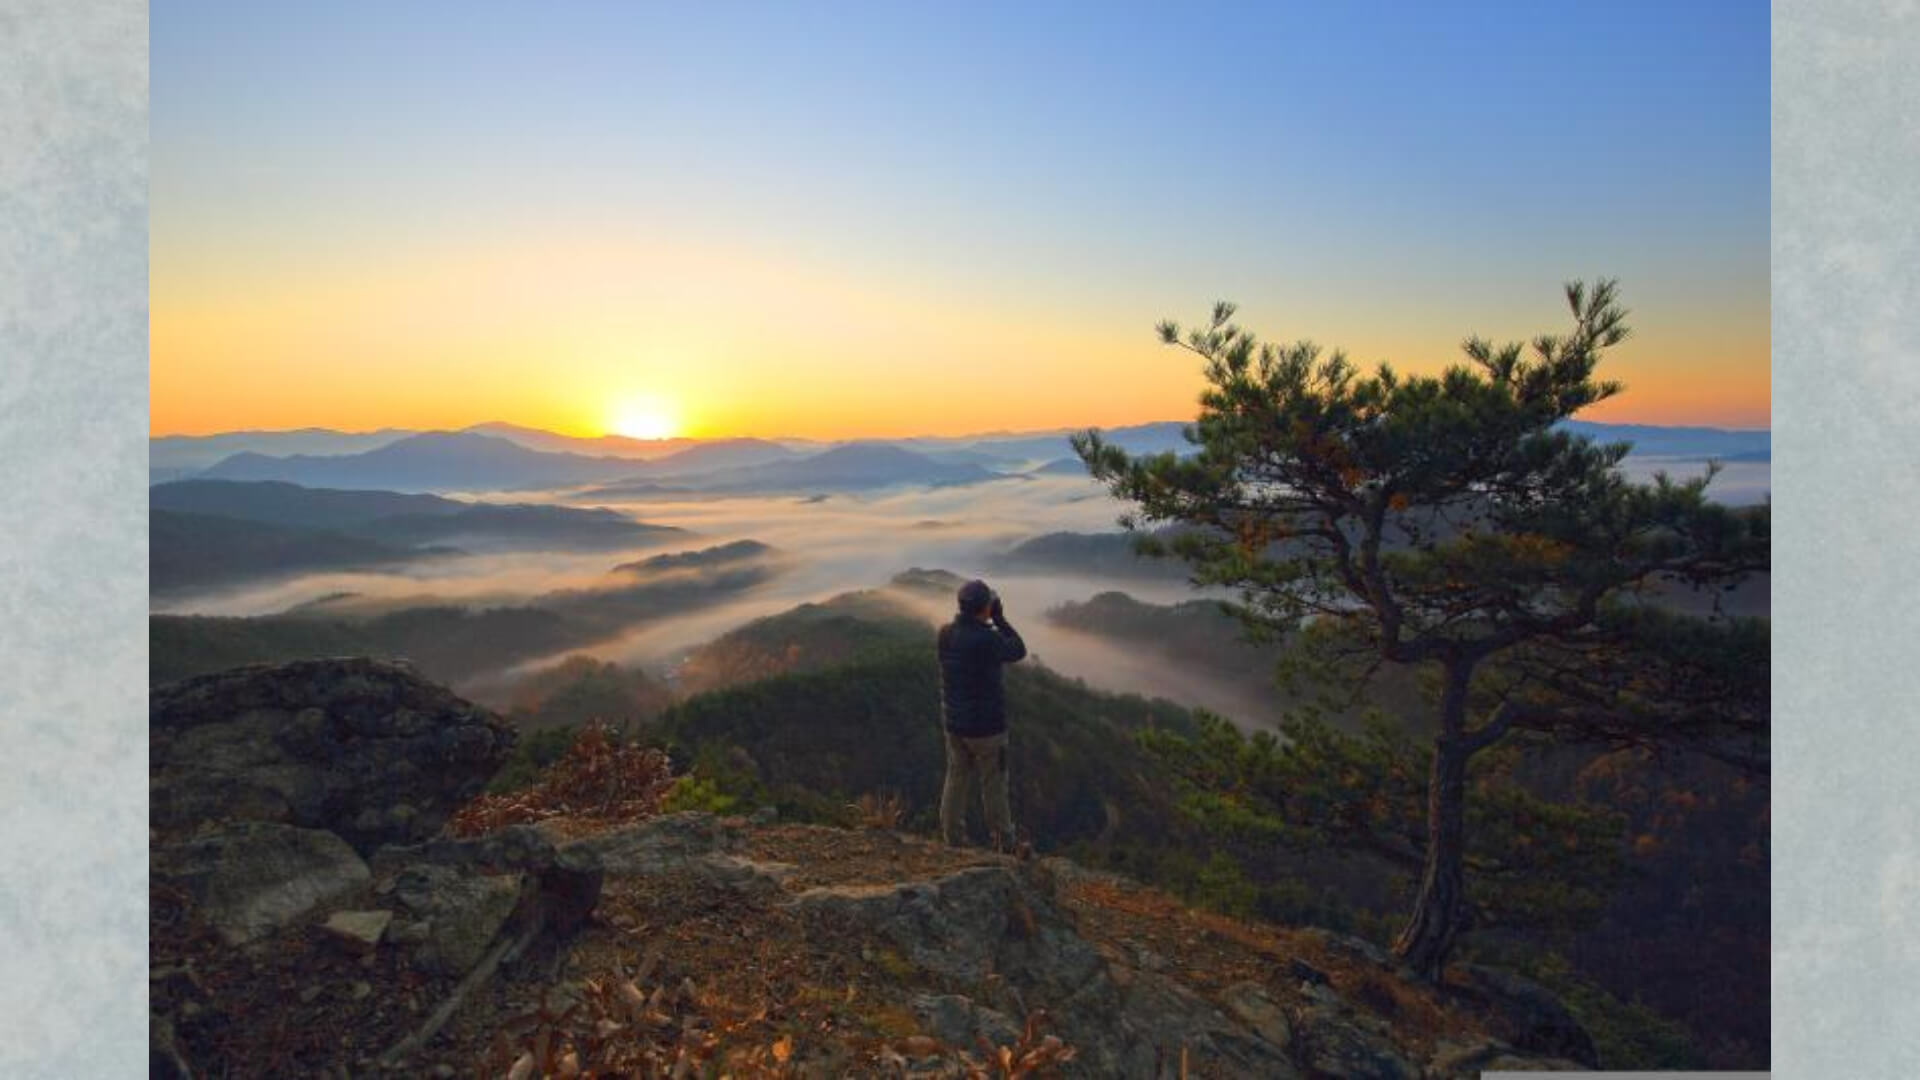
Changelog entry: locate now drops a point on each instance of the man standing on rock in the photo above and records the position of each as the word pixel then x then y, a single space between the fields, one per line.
pixel 973 708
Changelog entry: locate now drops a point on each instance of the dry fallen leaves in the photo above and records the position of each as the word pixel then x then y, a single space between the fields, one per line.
pixel 598 777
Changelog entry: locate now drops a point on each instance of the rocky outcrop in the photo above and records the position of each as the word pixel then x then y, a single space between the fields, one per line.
pixel 457 894
pixel 996 937
pixel 685 843
pixel 272 783
pixel 451 915
pixel 661 845
pixel 365 749
pixel 252 878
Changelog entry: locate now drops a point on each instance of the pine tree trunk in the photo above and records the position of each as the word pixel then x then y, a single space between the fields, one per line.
pixel 1426 940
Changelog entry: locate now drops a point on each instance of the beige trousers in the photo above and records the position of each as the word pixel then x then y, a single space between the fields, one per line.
pixel 985 758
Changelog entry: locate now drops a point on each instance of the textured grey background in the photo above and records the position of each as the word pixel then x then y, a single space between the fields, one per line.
pixel 1846 389
pixel 1846 246
pixel 73 538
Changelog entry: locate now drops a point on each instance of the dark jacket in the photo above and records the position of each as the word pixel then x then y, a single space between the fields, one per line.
pixel 971 653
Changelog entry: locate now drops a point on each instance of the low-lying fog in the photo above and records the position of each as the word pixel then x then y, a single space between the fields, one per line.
pixel 825 546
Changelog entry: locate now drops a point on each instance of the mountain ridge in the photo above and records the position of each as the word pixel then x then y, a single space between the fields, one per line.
pixel 261 454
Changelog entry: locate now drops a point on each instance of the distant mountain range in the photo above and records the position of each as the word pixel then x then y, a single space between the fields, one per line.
pixel 188 454
pixel 209 532
pixel 602 446
pixel 279 503
pixel 406 519
pixel 505 457
pixel 720 454
pixel 1071 466
pixel 433 461
pixel 861 467
pixel 1681 442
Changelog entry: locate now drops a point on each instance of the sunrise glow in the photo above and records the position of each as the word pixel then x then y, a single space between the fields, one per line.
pixel 961 232
pixel 644 418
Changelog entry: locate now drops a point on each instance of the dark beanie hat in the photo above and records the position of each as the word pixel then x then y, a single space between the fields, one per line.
pixel 974 595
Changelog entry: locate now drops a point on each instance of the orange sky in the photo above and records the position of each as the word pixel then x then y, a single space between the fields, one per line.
pixel 574 335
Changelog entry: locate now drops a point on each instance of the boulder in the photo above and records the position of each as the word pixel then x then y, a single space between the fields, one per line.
pixel 363 748
pixel 568 880
pixel 455 914
pixel 252 878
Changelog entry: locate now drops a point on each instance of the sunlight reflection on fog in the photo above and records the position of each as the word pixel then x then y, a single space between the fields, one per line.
pixel 827 546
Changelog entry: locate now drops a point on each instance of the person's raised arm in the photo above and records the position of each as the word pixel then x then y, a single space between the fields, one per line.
pixel 1011 648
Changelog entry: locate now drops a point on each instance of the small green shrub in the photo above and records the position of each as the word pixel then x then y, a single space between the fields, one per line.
pixel 692 792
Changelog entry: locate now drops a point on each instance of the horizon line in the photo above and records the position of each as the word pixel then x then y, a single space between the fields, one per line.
pixel 1000 434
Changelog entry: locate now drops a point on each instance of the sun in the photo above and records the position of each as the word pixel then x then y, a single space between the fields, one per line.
pixel 645 419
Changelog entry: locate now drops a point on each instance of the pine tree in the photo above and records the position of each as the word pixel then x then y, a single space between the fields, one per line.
pixel 1451 522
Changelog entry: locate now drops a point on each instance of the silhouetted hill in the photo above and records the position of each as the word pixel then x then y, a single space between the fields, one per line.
pixel 432 461
pixel 197 550
pixel 1095 555
pixel 1685 442
pixel 597 446
pixel 735 551
pixel 1647 439
pixel 701 578
pixel 1044 446
pixel 719 454
pixel 847 468
pixel 812 741
pixel 448 642
pixel 580 690
pixel 941 583
pixel 291 453
pixel 1061 467
pixel 277 502
pixel 403 520
pixel 1193 631
pixel 1200 642
pixel 553 527
pixel 805 638
pixel 840 698
pixel 187 454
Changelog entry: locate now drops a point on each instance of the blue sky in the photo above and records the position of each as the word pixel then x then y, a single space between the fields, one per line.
pixel 1364 174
